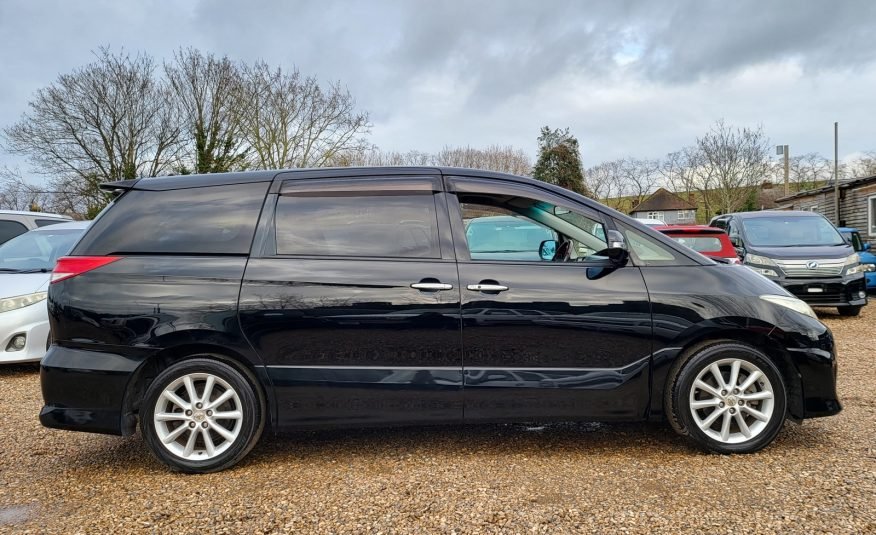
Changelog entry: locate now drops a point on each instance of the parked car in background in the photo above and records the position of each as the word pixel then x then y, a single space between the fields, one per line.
pixel 26 264
pixel 710 241
pixel 206 308
pixel 801 251
pixel 865 252
pixel 13 222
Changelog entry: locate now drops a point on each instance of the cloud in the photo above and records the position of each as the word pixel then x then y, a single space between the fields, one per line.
pixel 629 78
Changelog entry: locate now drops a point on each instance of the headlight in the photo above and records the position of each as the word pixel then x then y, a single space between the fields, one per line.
pixel 759 260
pixel 790 302
pixel 11 303
pixel 852 264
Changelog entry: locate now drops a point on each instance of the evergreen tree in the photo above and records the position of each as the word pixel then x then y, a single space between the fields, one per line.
pixel 559 161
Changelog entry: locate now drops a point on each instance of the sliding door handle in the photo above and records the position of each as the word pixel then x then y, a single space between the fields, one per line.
pixel 487 287
pixel 431 286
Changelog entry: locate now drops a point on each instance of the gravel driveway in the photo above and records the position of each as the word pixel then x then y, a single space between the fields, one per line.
pixel 816 478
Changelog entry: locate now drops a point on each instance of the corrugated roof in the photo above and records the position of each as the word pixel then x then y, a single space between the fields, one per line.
pixel 843 185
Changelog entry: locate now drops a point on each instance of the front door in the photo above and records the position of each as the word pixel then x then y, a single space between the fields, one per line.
pixel 554 338
pixel 353 303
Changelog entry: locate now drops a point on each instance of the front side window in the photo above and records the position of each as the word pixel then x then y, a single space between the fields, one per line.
pixel 511 228
pixel 395 224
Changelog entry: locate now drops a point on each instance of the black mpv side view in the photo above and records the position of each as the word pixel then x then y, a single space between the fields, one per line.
pixel 208 308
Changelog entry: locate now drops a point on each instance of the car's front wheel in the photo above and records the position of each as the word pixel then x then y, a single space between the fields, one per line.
pixel 728 397
pixel 201 415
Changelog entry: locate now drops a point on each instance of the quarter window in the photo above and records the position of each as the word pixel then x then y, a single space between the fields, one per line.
pixel 394 224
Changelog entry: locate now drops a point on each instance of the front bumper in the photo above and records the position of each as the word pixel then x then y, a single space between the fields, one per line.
pixel 85 390
pixel 830 292
pixel 31 321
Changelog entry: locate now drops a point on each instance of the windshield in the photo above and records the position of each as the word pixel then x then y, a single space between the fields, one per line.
pixel 36 250
pixel 790 231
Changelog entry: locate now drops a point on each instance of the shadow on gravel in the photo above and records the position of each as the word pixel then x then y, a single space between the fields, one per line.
pixel 19 370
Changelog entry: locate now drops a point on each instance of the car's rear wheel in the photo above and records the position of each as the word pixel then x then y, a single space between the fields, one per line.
pixel 849 311
pixel 201 415
pixel 728 397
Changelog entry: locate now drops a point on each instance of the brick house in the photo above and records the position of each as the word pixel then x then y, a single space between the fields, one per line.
pixel 667 207
pixel 857 205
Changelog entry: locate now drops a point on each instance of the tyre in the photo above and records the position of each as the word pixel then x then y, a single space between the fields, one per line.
pixel 728 397
pixel 201 415
pixel 849 311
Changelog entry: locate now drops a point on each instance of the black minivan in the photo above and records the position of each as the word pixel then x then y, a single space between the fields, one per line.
pixel 801 251
pixel 207 308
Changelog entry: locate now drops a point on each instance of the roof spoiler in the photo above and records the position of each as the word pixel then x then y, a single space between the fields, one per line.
pixel 119 186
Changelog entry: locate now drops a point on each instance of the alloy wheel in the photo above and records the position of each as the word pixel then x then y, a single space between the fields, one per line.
pixel 732 401
pixel 198 416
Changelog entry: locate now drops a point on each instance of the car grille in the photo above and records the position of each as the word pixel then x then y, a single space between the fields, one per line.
pixel 800 268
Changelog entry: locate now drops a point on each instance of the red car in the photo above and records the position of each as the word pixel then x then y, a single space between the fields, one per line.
pixel 710 241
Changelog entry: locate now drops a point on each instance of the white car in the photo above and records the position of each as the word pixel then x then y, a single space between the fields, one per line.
pixel 26 264
pixel 13 223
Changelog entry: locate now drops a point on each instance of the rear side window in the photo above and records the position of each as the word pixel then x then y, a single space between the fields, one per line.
pixel 10 229
pixel 209 220
pixel 395 224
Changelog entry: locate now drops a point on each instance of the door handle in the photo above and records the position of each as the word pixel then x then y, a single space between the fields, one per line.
pixel 487 287
pixel 431 286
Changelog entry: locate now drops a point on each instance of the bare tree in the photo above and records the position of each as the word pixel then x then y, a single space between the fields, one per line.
pixel 734 162
pixel 288 120
pixel 504 159
pixel 110 119
pixel 864 166
pixel 605 181
pixel 205 87
pixel 639 178
pixel 806 171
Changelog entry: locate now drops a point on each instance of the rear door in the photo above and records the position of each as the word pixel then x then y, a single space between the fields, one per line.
pixel 545 339
pixel 352 300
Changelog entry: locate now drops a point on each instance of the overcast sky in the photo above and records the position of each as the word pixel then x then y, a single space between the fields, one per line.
pixel 629 78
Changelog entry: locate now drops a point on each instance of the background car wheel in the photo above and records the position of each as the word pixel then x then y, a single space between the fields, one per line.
pixel 201 415
pixel 728 397
pixel 849 311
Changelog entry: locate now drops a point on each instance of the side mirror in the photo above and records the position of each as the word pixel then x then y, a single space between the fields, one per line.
pixel 547 250
pixel 865 247
pixel 616 240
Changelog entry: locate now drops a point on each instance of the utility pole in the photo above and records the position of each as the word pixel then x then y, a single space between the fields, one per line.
pixel 836 172
pixel 783 149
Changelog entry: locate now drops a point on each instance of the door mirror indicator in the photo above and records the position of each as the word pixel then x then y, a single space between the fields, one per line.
pixel 616 240
pixel 547 250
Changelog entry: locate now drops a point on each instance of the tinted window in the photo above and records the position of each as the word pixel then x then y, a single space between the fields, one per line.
pixel 395 224
pixel 209 220
pixel 47 222
pixel 790 231
pixel 10 229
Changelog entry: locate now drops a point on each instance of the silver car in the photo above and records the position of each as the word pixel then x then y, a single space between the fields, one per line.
pixel 26 264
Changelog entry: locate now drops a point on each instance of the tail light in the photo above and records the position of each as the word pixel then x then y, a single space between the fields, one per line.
pixel 71 266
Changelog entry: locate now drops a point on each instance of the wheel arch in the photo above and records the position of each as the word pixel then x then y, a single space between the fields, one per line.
pixel 163 359
pixel 767 341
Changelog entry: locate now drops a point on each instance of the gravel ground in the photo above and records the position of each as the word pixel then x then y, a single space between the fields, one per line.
pixel 819 477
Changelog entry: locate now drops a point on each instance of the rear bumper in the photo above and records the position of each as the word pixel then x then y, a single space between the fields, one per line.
pixel 830 292
pixel 85 390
